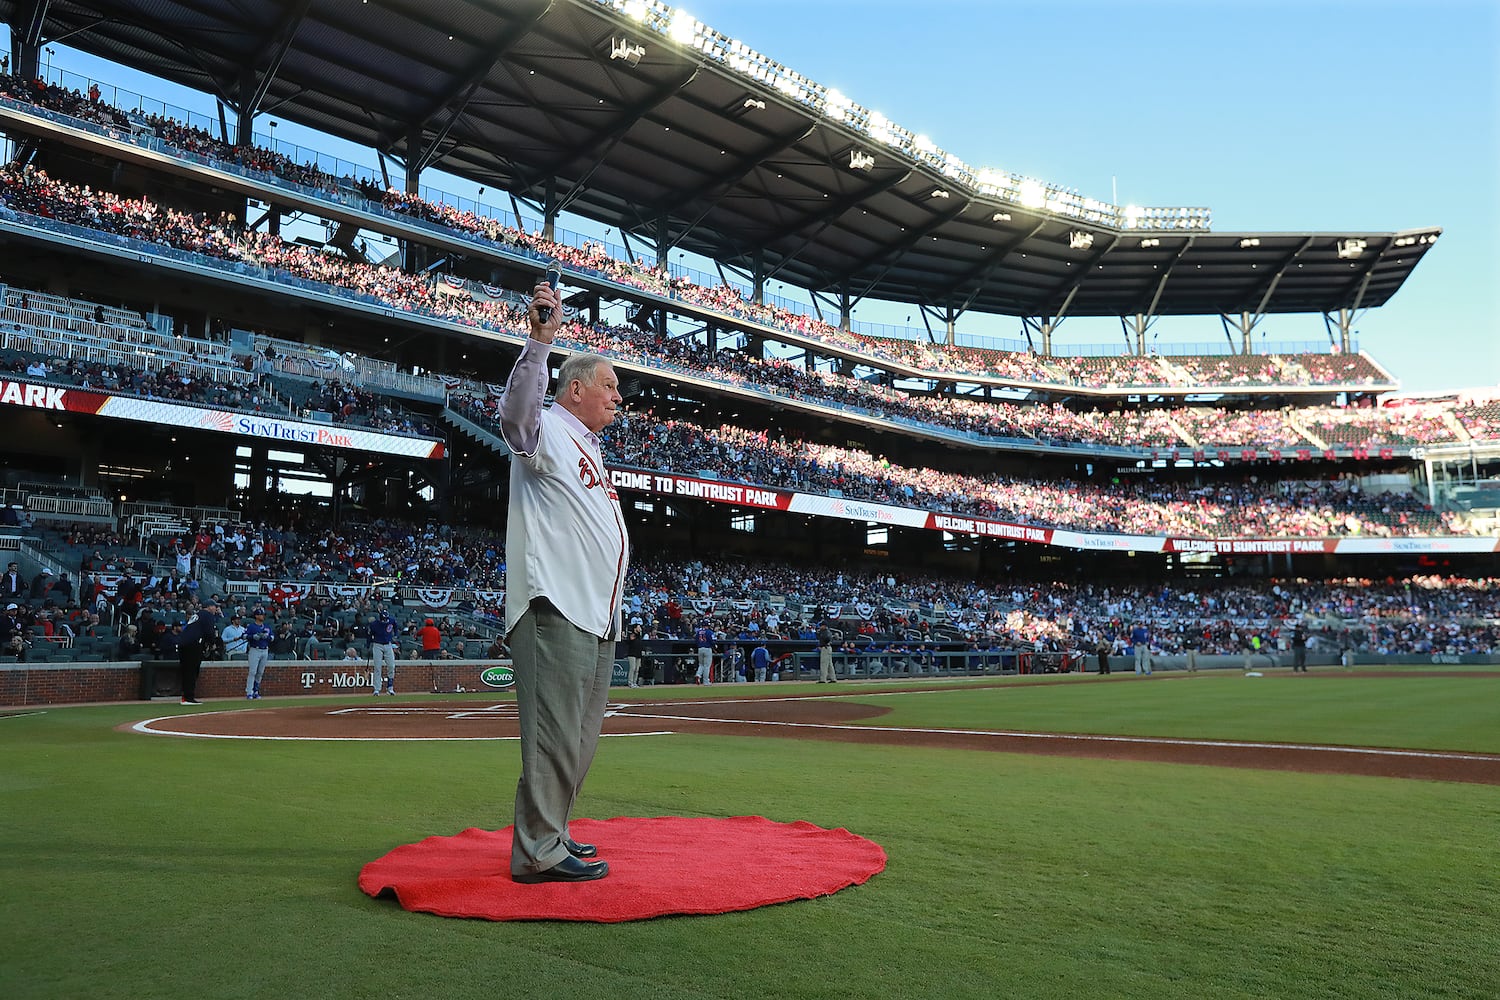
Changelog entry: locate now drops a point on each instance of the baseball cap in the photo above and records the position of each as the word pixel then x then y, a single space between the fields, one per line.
pixel 10 607
pixel 257 612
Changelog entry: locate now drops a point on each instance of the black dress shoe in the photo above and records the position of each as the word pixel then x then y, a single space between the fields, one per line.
pixel 580 850
pixel 569 869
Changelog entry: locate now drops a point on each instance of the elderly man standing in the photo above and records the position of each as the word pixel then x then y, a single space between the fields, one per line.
pixel 566 554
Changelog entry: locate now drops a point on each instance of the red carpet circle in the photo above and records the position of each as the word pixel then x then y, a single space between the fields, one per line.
pixel 658 866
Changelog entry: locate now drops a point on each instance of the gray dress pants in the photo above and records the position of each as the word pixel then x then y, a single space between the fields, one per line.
pixel 562 687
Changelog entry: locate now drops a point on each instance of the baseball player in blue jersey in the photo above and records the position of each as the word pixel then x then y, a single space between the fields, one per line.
pixel 258 636
pixel 383 652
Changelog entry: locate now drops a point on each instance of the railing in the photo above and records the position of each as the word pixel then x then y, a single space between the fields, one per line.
pixel 91 350
pixel 204 515
pixel 70 506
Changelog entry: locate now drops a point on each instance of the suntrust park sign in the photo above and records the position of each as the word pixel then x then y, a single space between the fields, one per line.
pixel 715 491
pixel 43 397
pixel 156 411
pixel 299 433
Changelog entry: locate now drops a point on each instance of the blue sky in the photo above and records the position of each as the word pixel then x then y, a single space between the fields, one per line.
pixel 1324 115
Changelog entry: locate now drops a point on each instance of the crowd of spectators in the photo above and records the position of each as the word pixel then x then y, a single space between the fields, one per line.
pixel 348 403
pixel 592 258
pixel 170 383
pixel 1240 507
pixel 892 614
pixel 1172 428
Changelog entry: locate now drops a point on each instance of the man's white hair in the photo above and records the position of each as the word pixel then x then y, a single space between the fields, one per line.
pixel 583 367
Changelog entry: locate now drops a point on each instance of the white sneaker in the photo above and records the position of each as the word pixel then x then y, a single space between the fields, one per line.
pixel 376 692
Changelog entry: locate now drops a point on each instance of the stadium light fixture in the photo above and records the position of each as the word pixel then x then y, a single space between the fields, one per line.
pixel 1132 216
pixel 1350 249
pixel 1080 240
pixel 622 48
pixel 1000 217
pixel 859 160
pixel 683 27
pixel 1248 242
pixel 635 9
pixel 837 105
pixel 1147 244
pixel 1031 193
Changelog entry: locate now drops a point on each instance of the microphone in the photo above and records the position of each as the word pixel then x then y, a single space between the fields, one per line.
pixel 544 313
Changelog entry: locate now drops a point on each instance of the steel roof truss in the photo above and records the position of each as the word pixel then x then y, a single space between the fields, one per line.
pixel 893 255
pixel 1286 262
pixel 633 116
pixel 457 99
pixel 1161 283
pixel 1074 283
pixel 742 167
pixel 275 47
pixel 829 215
pixel 1362 283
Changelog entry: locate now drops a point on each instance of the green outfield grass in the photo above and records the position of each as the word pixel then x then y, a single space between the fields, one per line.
pixel 166 868
pixel 1430 713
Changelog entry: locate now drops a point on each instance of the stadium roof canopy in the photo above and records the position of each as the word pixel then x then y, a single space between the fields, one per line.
pixel 595 107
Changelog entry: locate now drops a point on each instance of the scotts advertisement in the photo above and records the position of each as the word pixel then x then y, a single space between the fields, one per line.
pixel 501 676
pixel 740 495
pixel 268 427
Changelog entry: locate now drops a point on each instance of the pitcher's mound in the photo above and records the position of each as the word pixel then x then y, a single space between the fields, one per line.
pixel 658 866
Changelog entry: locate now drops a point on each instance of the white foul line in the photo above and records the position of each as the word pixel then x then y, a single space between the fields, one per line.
pixel 145 726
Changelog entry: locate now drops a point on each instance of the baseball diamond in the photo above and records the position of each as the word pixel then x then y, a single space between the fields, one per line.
pixel 809 717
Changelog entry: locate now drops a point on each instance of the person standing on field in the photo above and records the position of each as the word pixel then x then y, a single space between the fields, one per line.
pixel 566 557
pixel 1140 644
pixel 383 653
pixel 200 630
pixel 258 636
pixel 1299 648
pixel 825 655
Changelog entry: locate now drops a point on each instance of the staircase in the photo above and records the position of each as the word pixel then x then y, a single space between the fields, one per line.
pixel 476 431
pixel 1460 432
pixel 1301 428
pixel 1182 434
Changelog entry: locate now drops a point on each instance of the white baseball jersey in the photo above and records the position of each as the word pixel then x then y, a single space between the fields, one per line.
pixel 565 539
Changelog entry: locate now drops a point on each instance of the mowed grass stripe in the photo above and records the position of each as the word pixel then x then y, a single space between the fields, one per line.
pixel 1423 713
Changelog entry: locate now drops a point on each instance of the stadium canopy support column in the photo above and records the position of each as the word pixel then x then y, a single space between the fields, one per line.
pixel 26 38
pixel 1245 326
pixel 663 243
pixel 1343 323
pixel 549 212
pixel 758 276
pixel 950 321
pixel 414 256
pixel 1042 326
pixel 1138 325
pixel 260 472
pixel 846 312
